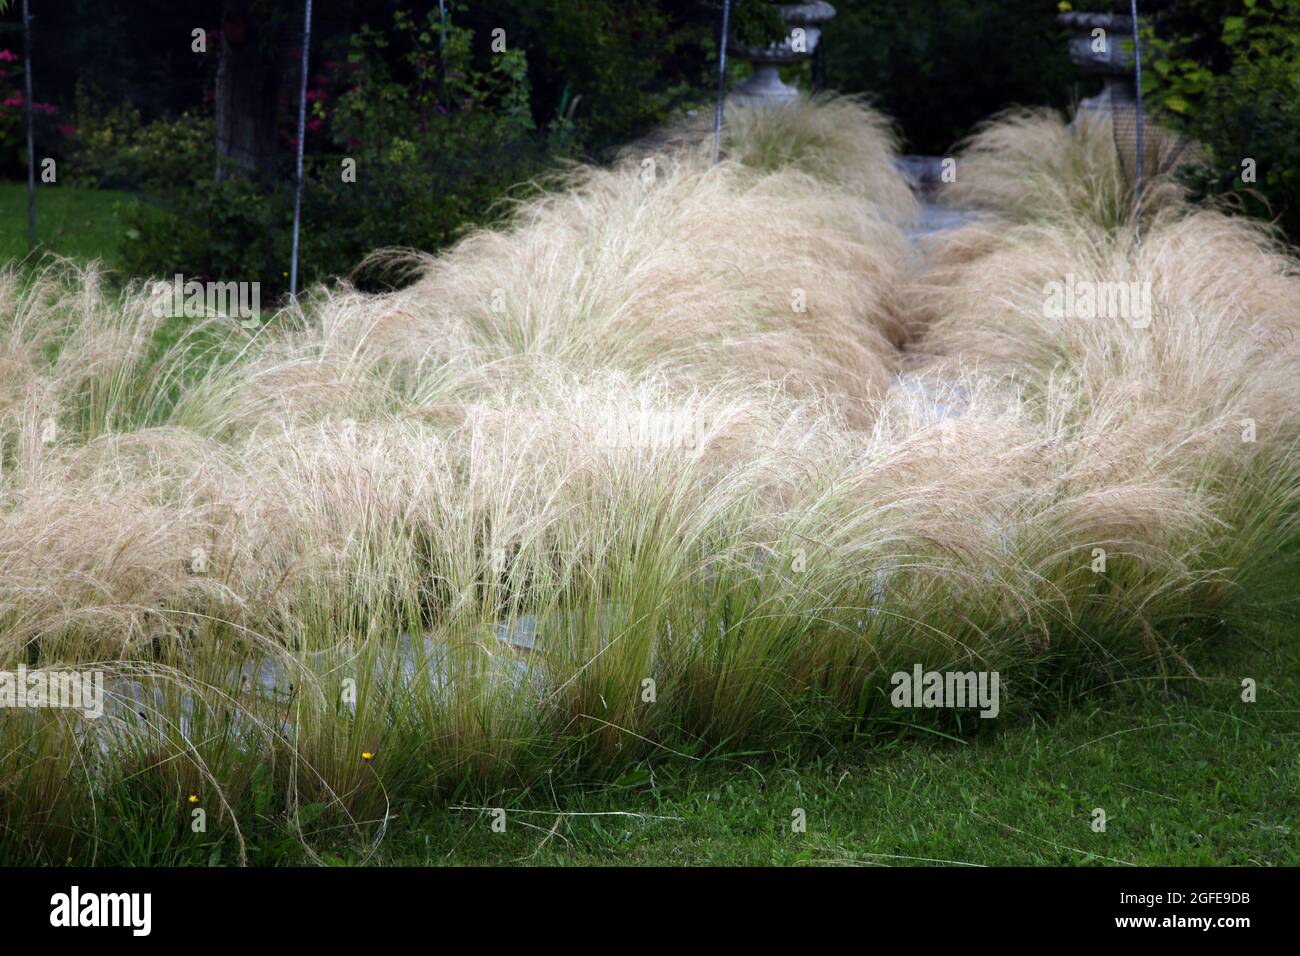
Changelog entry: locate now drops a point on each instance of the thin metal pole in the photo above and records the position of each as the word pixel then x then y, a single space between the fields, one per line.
pixel 722 80
pixel 302 132
pixel 31 142
pixel 1141 139
pixel 442 44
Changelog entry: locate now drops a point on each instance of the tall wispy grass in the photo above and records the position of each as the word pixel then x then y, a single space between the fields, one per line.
pixel 1028 165
pixel 680 453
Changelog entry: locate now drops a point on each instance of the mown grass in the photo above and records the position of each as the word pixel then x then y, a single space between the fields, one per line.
pixel 1187 772
pixel 78 223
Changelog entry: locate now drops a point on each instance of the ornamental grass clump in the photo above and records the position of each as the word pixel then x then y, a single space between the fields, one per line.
pixel 684 455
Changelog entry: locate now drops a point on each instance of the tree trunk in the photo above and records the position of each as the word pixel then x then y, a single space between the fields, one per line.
pixel 248 82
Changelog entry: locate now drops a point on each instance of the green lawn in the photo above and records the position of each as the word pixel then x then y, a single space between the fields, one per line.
pixel 80 223
pixel 1187 773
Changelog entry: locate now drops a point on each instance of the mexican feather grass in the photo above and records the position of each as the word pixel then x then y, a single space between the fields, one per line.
pixel 684 456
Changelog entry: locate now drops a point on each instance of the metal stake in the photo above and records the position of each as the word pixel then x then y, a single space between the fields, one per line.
pixel 302 132
pixel 722 80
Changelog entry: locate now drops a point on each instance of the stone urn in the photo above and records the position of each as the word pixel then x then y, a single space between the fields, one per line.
pixel 765 87
pixel 1101 45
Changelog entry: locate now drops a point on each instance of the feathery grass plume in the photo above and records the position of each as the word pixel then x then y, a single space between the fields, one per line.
pixel 839 139
pixel 696 271
pixel 1161 409
pixel 1030 165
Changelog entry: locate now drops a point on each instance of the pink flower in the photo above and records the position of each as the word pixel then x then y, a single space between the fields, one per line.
pixel 67 129
pixel 7 57
pixel 49 109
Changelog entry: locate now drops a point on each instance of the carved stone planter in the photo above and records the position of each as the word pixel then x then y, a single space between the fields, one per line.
pixel 765 87
pixel 1107 55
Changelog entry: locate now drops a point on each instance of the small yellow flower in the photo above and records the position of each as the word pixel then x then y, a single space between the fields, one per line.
pixel 1065 6
pixel 194 798
pixel 367 755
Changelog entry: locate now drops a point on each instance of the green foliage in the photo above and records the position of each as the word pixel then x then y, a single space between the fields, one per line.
pixel 413 199
pixel 757 23
pixel 1230 78
pixel 219 230
pixel 939 68
pixel 443 101
pixel 185 222
pixel 13 118
pixel 116 149
pixel 434 142
pixel 616 68
pixel 441 121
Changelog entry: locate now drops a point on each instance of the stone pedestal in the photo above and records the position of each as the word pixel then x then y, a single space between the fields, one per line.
pixel 765 87
pixel 1113 63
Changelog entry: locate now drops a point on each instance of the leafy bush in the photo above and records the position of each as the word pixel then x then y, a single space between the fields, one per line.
pixel 1229 76
pixel 11 116
pixel 442 101
pixel 213 229
pixel 940 68
pixel 13 123
pixel 116 149
pixel 439 124
pixel 618 67
pixel 418 200
pixel 408 142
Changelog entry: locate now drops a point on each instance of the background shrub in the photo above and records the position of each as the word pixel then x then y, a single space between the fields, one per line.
pixel 442 129
pixel 1229 76
pixel 941 67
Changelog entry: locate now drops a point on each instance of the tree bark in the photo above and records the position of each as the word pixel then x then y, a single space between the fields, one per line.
pixel 248 82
